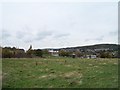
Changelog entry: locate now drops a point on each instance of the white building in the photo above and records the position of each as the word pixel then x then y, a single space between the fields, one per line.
pixel 91 56
pixel 54 53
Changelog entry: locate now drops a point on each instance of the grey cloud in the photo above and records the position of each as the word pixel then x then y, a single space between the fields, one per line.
pixel 28 37
pixel 25 36
pixel 72 24
pixel 28 40
pixel 99 38
pixel 95 39
pixel 5 34
pixel 87 40
pixel 43 35
pixel 20 35
pixel 61 35
pixel 113 33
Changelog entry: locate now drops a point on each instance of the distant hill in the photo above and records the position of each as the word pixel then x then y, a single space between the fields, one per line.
pixel 97 46
pixel 100 50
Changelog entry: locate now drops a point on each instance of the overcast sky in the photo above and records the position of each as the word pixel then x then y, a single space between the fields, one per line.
pixel 59 24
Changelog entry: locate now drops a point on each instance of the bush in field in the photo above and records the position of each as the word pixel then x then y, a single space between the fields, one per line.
pixel 34 53
pixel 38 53
pixel 6 53
pixel 106 55
pixel 29 53
pixel 19 53
pixel 46 52
pixel 64 53
pixel 78 53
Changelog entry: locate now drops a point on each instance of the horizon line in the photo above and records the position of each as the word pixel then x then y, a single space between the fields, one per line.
pixel 61 47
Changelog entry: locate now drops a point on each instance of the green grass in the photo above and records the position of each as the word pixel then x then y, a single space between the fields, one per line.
pixel 60 73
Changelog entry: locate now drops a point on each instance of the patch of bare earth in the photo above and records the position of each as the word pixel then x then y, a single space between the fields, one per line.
pixel 47 76
pixel 68 65
pixel 73 78
pixel 72 74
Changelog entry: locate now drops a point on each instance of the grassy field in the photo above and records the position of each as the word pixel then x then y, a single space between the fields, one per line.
pixel 60 73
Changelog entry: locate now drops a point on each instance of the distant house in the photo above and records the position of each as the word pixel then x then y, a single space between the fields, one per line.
pixel 54 52
pixel 91 56
pixel 101 49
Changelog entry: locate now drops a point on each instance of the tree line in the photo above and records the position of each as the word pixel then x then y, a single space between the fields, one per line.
pixel 8 52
